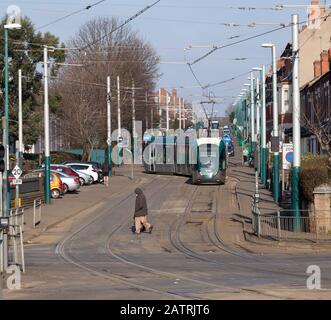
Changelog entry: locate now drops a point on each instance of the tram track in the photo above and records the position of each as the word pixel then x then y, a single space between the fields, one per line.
pixel 70 258
pixel 215 239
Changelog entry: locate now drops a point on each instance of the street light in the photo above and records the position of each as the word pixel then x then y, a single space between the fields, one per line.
pixel 6 191
pixel 258 114
pixel 262 99
pixel 275 138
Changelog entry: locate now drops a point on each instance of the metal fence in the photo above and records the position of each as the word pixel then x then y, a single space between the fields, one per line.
pixel 282 225
pixel 15 238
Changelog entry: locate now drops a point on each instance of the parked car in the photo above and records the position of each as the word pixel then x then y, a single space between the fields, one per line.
pixel 56 184
pixel 96 166
pixel 64 169
pixel 85 168
pixel 84 178
pixel 70 183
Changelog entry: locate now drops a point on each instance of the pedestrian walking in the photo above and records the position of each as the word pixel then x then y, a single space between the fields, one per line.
pixel 141 212
pixel 105 172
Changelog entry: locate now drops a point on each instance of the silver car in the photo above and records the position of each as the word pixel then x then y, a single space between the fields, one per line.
pixel 70 183
pixel 84 178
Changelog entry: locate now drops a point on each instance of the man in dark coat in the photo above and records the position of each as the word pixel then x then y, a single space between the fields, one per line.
pixel 141 212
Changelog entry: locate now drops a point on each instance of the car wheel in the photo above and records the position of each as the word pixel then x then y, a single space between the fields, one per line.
pixel 81 181
pixel 65 188
pixel 55 193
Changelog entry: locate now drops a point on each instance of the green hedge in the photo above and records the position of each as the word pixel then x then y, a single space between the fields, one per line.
pixel 313 173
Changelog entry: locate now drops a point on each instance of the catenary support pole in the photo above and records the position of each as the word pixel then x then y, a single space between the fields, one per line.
pixel 109 151
pixel 119 129
pixel 20 119
pixel 160 110
pixel 264 130
pixel 167 103
pixel 252 115
pixel 296 121
pixel 46 134
pixel 134 132
pixel 275 126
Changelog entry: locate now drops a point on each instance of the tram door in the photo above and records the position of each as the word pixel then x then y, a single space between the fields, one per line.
pixel 152 159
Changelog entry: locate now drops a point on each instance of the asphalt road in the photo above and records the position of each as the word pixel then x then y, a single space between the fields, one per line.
pixel 184 257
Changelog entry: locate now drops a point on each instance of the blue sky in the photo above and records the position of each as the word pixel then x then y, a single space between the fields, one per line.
pixel 173 25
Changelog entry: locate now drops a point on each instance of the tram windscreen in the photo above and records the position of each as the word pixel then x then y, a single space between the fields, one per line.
pixel 209 159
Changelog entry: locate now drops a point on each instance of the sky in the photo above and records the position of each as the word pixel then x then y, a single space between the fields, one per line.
pixel 183 30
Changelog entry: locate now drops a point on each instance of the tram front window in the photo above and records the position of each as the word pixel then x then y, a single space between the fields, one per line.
pixel 209 160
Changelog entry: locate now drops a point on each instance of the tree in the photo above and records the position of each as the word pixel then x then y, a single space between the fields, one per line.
pixel 319 125
pixel 83 87
pixel 230 113
pixel 25 52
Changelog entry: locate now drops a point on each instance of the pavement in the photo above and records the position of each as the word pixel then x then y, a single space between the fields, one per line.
pixel 236 218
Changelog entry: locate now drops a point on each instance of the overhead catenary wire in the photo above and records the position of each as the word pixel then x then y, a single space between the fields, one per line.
pixel 120 26
pixel 88 7
pixel 250 38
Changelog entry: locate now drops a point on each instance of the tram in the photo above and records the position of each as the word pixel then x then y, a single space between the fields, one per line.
pixel 204 159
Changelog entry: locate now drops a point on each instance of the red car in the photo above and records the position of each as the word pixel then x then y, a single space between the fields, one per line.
pixel 64 169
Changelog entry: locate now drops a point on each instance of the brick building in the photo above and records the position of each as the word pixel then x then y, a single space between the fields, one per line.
pixel 316 100
pixel 175 103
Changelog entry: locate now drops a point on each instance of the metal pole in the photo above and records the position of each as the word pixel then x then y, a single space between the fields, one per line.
pixel 160 110
pixel 296 121
pixel 17 189
pixel 180 113
pixel 109 126
pixel 6 189
pixel 20 118
pixel 118 107
pixel 258 103
pixel 275 125
pixel 167 103
pixel 134 133
pixel 184 113
pixel 46 125
pixel 174 108
pixel 264 130
pixel 252 115
pixel 146 108
pixel 119 133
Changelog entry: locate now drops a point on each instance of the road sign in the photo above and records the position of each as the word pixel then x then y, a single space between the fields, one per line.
pixel 17 172
pixel 287 155
pixel 17 181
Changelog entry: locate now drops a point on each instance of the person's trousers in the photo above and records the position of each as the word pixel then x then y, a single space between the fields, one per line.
pixel 141 221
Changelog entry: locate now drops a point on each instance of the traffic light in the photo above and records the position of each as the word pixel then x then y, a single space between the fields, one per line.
pixel 2 156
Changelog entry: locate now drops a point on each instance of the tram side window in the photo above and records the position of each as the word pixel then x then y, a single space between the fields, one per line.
pixel 159 154
pixel 170 154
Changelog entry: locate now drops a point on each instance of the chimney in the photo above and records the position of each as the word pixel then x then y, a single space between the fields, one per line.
pixel 317 68
pixel 325 62
pixel 315 11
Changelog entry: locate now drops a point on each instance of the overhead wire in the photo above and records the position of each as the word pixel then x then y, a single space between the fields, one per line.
pixel 88 7
pixel 121 25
